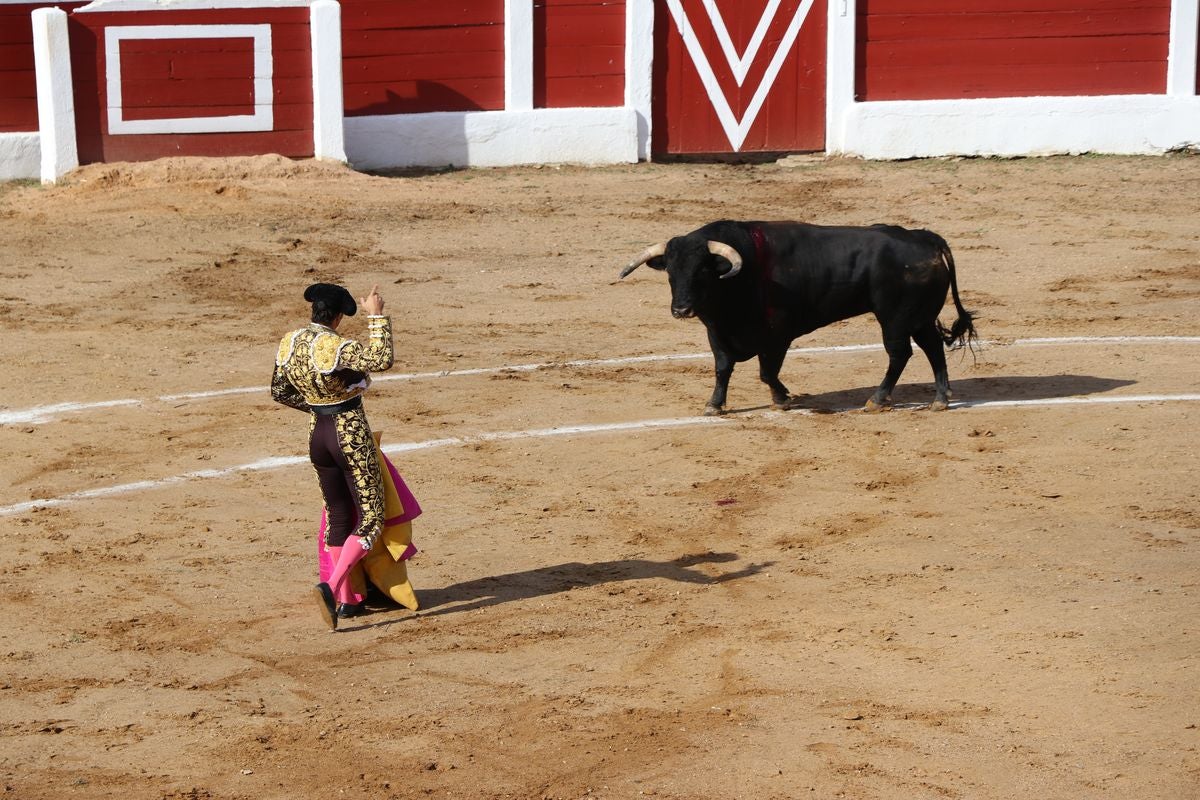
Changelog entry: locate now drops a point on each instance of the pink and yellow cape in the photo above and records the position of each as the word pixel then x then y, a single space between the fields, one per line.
pixel 385 565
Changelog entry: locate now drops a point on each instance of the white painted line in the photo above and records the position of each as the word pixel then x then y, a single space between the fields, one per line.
pixel 278 462
pixel 544 365
pixel 40 414
pixel 1109 340
pixel 1078 401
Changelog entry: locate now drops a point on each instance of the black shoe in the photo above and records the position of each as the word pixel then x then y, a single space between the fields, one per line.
pixel 345 610
pixel 328 608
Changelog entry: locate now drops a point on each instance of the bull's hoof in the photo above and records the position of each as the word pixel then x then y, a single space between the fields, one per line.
pixel 939 405
pixel 872 407
pixel 792 401
pixel 714 411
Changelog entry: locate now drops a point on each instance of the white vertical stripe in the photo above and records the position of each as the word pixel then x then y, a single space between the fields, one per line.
pixel 518 55
pixel 639 68
pixel 1181 55
pixel 55 96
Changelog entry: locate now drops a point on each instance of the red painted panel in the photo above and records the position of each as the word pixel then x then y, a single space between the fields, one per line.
pixel 931 49
pixel 996 6
pixel 290 25
pixel 414 96
pixel 464 39
pixel 1031 25
pixel 1045 52
pixel 222 87
pixel 411 66
pixel 168 79
pixel 411 56
pixel 1029 81
pixel 15 57
pixel 18 85
pixel 293 144
pixel 579 53
pixel 792 114
pixel 400 14
pixel 199 64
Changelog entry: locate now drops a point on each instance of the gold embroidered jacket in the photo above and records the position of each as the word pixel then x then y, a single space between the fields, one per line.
pixel 316 366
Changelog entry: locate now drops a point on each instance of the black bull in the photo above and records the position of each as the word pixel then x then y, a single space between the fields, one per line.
pixel 757 286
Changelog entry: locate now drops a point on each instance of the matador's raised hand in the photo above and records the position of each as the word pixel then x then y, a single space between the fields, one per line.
pixel 372 303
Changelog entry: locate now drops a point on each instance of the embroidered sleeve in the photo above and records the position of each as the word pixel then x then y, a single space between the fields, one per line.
pixel 282 391
pixel 376 356
pixel 286 345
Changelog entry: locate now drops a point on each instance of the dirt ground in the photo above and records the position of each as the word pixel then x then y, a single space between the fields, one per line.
pixel 997 601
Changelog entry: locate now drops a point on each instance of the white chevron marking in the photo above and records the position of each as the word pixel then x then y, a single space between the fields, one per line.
pixel 741 64
pixel 736 130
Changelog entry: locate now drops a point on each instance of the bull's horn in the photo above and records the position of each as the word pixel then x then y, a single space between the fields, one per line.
pixel 725 251
pixel 647 254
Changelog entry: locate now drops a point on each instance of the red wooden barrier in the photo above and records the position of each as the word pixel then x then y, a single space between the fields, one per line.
pixel 18 86
pixel 579 53
pixel 165 78
pixel 934 49
pixel 408 56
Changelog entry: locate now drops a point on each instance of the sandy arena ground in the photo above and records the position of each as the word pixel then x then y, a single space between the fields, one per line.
pixel 999 601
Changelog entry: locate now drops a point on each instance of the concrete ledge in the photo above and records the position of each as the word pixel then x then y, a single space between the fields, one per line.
pixel 20 156
pixel 1124 125
pixel 494 138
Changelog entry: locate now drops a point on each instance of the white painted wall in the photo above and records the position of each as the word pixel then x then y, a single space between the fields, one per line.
pixel 20 156
pixel 1131 125
pixel 493 138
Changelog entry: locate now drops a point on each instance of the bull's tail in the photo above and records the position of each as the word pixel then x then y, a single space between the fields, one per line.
pixel 962 332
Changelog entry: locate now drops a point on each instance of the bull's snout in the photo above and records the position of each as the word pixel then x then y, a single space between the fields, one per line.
pixel 682 312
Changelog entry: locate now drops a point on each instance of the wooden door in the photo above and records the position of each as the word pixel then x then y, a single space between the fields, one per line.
pixel 734 76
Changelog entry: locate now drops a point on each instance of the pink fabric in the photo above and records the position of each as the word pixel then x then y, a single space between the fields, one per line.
pixel 412 509
pixel 344 559
pixel 326 560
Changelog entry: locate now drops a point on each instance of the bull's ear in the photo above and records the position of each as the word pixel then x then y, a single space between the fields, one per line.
pixel 658 262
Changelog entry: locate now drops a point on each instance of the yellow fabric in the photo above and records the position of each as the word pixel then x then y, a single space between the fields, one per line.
pixel 382 564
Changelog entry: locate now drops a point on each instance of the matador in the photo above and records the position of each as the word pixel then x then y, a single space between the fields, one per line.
pixel 319 371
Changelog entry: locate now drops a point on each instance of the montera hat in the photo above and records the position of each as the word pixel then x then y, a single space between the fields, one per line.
pixel 333 297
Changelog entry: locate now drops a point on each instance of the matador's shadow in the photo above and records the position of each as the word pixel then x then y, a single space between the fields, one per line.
pixel 543 581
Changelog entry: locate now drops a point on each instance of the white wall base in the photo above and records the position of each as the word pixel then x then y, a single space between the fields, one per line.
pixel 1029 126
pixel 494 138
pixel 20 156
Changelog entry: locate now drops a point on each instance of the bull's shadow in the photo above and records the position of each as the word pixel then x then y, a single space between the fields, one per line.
pixel 543 581
pixel 967 390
